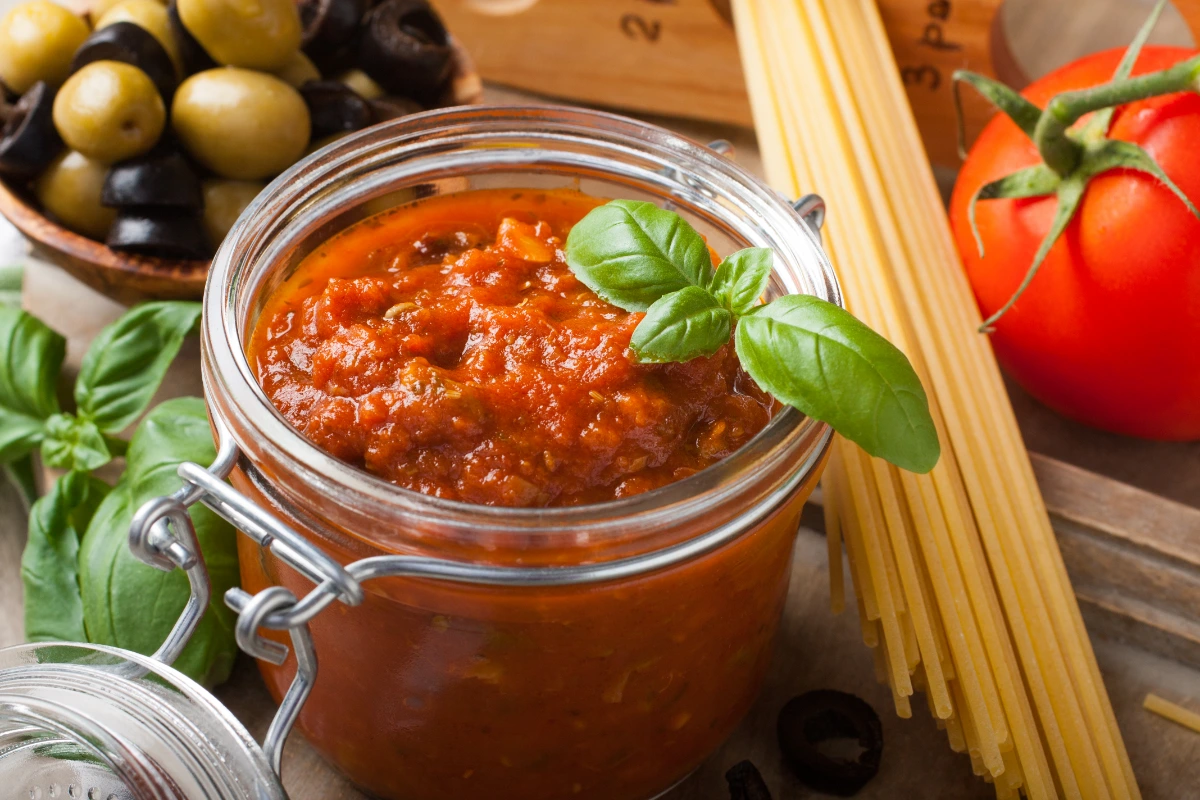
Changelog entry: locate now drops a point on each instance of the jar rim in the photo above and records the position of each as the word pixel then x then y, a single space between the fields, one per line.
pixel 687 171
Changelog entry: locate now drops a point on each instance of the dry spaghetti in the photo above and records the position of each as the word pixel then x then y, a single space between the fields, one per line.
pixel 958 581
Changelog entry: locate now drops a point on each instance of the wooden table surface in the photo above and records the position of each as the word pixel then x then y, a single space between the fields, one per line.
pixel 816 649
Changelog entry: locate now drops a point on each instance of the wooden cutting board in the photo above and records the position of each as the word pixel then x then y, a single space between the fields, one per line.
pixel 679 57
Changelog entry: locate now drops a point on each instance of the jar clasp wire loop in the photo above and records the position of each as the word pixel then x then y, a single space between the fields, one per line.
pixel 811 208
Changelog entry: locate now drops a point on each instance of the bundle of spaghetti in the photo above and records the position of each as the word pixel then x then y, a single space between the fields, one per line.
pixel 960 587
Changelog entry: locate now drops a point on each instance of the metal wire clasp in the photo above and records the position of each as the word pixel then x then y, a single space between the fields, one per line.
pixel 162 535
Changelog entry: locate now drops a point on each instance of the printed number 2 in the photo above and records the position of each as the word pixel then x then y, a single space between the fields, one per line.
pixel 636 27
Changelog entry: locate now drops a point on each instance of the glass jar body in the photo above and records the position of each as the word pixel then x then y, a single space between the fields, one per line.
pixel 431 690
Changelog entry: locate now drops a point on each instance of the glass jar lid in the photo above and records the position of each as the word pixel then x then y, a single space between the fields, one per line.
pixel 87 722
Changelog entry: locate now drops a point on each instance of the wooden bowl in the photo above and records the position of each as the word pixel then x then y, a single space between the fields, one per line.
pixel 130 278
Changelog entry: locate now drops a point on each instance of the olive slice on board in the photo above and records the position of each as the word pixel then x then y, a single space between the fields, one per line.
pixel 195 58
pixel 130 44
pixel 165 233
pixel 29 141
pixel 746 782
pixel 810 726
pixel 335 108
pixel 406 50
pixel 162 178
pixel 329 25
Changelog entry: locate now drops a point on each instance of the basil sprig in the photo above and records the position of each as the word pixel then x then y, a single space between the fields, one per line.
pixel 804 351
pixel 81 581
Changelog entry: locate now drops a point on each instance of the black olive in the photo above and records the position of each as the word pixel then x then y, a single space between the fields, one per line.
pixel 746 782
pixel 29 141
pixel 405 49
pixel 195 58
pixel 162 178
pixel 818 717
pixel 386 108
pixel 330 26
pixel 165 233
pixel 129 44
pixel 335 108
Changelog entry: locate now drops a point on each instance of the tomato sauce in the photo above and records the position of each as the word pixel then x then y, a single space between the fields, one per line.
pixel 447 347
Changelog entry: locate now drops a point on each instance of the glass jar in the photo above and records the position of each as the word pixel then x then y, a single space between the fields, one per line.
pixel 432 688
pixel 86 721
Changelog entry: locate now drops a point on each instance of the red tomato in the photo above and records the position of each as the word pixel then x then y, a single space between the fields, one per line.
pixel 1108 333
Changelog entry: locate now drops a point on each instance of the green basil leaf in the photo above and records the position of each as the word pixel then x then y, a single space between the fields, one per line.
pixel 631 253
pixel 31 356
pixel 127 361
pixel 817 357
pixel 73 443
pixel 131 605
pixel 681 326
pixel 742 278
pixel 19 434
pixel 50 563
pixel 21 474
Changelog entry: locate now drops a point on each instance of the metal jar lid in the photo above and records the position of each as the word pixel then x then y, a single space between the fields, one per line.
pixel 87 722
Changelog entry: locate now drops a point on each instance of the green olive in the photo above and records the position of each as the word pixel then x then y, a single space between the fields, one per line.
pixel 298 71
pixel 256 34
pixel 109 111
pixel 362 84
pixel 151 15
pixel 224 202
pixel 239 123
pixel 37 41
pixel 69 189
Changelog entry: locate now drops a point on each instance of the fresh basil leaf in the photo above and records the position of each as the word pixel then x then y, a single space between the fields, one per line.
pixel 631 253
pixel 19 434
pixel 50 563
pixel 131 605
pixel 681 326
pixel 73 443
pixel 127 361
pixel 20 473
pixel 31 356
pixel 742 278
pixel 817 357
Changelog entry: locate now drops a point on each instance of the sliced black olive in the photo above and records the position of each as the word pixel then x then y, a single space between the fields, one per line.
pixel 406 50
pixel 335 108
pixel 162 178
pixel 195 58
pixel 746 782
pixel 165 233
pixel 329 26
pixel 386 108
pixel 29 140
pixel 129 44
pixel 816 719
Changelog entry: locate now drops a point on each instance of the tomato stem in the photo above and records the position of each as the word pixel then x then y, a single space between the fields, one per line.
pixel 1062 152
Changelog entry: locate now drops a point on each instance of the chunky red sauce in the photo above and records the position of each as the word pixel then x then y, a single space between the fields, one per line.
pixel 447 347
